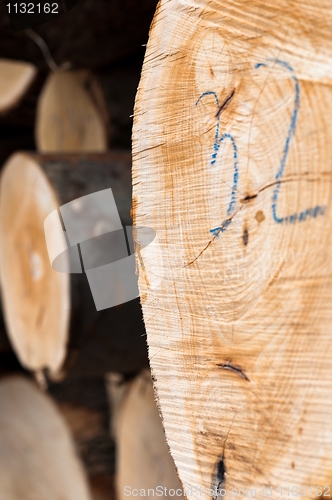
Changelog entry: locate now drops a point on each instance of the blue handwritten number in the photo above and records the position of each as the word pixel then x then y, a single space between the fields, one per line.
pixel 217 141
pixel 309 212
pixel 296 217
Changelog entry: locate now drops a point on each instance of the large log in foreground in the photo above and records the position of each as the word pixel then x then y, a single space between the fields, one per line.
pixel 45 309
pixel 37 455
pixel 232 168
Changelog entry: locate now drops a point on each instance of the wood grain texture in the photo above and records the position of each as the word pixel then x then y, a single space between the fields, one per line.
pixel 37 455
pixel 232 168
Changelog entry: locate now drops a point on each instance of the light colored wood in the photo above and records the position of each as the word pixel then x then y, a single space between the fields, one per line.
pixel 68 119
pixel 37 455
pixel 232 168
pixel 15 79
pixel 42 307
pixel 35 297
pixel 143 459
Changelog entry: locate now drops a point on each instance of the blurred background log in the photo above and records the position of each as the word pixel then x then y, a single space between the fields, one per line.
pixel 112 91
pixel 37 454
pixel 15 79
pixel 68 119
pixel 105 40
pixel 84 405
pixel 35 296
pixel 18 116
pixel 143 458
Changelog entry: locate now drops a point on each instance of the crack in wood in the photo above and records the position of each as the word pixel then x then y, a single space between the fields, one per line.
pixel 235 369
pixel 225 103
pixel 225 222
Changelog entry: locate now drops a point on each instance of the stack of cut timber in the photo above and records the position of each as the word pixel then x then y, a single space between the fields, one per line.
pixel 16 78
pixel 43 306
pixel 232 168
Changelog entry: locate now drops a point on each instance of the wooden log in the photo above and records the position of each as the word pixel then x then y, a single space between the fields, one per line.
pixel 83 404
pixel 144 465
pixel 68 119
pixel 93 34
pixel 110 93
pixel 232 168
pixel 37 455
pixel 15 79
pixel 43 306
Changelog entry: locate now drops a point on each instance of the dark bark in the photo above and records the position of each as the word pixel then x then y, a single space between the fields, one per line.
pixel 112 339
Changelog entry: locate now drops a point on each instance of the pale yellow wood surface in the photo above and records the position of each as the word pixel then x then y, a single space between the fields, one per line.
pixel 38 460
pixel 35 296
pixel 232 167
pixel 68 119
pixel 15 79
pixel 144 464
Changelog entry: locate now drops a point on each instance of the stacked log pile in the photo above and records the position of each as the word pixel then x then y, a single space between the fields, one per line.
pixel 231 176
pixel 66 105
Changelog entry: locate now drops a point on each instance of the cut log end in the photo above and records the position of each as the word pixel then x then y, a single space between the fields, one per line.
pixel 36 298
pixel 38 459
pixel 68 119
pixel 58 268
pixel 144 462
pixel 232 168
